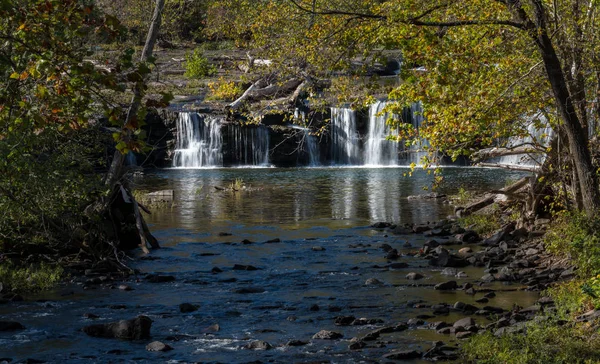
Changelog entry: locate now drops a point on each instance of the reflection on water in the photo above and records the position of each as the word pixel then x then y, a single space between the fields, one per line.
pixel 300 198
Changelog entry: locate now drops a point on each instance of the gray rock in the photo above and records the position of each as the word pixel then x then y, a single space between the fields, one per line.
pixel 296 343
pixel 258 345
pixel 403 355
pixel 464 322
pixel 463 335
pixel 187 308
pixel 373 282
pixel 158 346
pixel 414 276
pixel 449 272
pixel 317 248
pixel 446 286
pixel 327 335
pixel 135 329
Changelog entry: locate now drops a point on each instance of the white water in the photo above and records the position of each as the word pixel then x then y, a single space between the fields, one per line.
pixel 345 142
pixel 536 136
pixel 379 150
pixel 250 145
pixel 199 141
pixel 418 149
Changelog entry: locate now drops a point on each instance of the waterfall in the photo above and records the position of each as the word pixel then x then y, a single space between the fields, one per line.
pixel 199 141
pixel 250 145
pixel 418 149
pixel 379 150
pixel 345 147
pixel 313 149
pixel 536 136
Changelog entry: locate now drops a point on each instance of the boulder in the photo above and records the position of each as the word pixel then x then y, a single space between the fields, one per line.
pixel 134 329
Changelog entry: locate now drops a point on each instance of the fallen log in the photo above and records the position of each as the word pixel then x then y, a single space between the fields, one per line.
pixel 512 167
pixel 490 198
pixel 488 153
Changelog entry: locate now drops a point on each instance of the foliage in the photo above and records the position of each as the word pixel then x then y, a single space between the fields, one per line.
pixel 224 90
pixel 543 342
pixel 198 66
pixel 52 107
pixel 32 278
pixel 570 299
pixel 182 20
pixel 483 70
pixel 575 235
pixel 482 224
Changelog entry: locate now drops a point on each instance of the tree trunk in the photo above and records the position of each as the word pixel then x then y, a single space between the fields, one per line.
pixel 578 141
pixel 116 168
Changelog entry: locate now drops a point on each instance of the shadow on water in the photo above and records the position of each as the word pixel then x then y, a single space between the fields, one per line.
pixel 300 288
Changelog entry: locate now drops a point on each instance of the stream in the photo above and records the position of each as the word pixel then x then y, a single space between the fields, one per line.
pixel 306 231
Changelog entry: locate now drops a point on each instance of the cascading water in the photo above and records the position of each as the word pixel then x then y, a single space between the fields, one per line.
pixel 418 149
pixel 536 136
pixel 379 150
pixel 250 145
pixel 313 149
pixel 199 141
pixel 345 143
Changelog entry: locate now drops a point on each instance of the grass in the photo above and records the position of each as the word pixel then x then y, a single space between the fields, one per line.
pixel 481 224
pixel 29 279
pixel 544 342
pixel 577 237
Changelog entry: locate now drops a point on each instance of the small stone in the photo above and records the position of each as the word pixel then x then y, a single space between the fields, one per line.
pixel 158 346
pixel 317 248
pixel 357 345
pixel 490 295
pixel 314 307
pixel 258 345
pixel 414 276
pixel 156 278
pixel 244 267
pixel 216 270
pixel 482 300
pixel 124 287
pixel 211 328
pixel 373 282
pixel 10 326
pixel 344 320
pixel 403 355
pixel 465 251
pixel 449 272
pixel 296 343
pixel 463 335
pixel 187 308
pixel 464 322
pixel 446 286
pixel 461 275
pixel 90 316
pixel 327 335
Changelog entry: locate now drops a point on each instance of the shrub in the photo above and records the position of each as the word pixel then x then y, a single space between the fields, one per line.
pixel 224 90
pixel 198 66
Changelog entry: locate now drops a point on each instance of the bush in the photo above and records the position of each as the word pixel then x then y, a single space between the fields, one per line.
pixel 197 66
pixel 224 90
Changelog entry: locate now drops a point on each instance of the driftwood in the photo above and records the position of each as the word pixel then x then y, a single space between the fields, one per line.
pixel 512 167
pixel 488 153
pixel 255 92
pixel 490 198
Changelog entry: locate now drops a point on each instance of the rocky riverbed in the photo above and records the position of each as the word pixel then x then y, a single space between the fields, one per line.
pixel 364 294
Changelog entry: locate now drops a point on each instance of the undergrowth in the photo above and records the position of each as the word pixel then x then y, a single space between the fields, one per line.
pixel 542 342
pixel 29 279
pixel 481 224
pixel 574 236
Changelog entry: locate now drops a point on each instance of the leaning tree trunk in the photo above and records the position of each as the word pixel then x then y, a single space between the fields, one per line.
pixel 578 142
pixel 116 170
